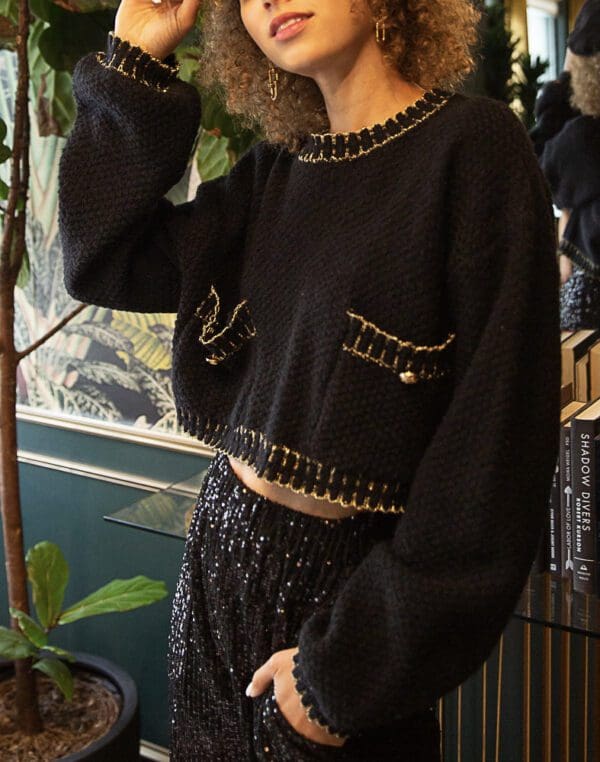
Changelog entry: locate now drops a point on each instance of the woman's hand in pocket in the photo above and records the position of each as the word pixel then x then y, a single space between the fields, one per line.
pixel 278 668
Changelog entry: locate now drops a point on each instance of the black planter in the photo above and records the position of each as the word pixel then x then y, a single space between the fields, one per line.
pixel 122 741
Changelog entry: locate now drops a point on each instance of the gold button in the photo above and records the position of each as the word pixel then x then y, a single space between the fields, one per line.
pixel 408 377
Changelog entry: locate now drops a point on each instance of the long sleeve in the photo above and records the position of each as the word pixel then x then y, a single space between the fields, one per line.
pixel 552 110
pixel 425 607
pixel 123 242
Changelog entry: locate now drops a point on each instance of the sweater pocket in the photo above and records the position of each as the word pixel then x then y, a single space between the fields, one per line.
pixel 410 363
pixel 221 338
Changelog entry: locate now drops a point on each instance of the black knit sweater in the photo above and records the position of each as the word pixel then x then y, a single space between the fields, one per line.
pixel 373 320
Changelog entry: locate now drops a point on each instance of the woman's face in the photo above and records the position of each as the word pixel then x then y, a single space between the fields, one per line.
pixel 329 37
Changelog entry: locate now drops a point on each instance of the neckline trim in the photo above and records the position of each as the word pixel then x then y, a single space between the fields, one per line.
pixel 347 146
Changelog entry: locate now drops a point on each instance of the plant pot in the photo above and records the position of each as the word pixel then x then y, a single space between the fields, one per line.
pixel 121 743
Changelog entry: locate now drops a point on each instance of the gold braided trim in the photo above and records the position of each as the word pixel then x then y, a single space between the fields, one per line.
pixel 347 156
pixel 170 69
pixel 232 336
pixel 137 77
pixel 134 62
pixel 292 469
pixel 401 356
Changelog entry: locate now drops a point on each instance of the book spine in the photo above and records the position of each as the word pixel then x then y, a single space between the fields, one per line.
pixel 596 515
pixel 554 523
pixel 566 502
pixel 584 535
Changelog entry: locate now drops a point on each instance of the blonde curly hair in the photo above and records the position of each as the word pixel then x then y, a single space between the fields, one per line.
pixel 428 41
pixel 585 83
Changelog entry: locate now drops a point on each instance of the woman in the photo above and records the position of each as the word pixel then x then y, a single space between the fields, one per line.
pixel 367 333
pixel 571 163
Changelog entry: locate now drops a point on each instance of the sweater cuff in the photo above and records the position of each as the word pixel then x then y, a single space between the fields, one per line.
pixel 307 698
pixel 136 63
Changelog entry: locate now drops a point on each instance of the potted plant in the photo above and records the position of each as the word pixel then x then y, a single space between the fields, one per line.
pixel 114 731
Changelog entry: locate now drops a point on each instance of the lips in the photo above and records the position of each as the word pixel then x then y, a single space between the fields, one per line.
pixel 278 20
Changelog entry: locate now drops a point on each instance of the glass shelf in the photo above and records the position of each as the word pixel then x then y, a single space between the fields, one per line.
pixel 547 599
pixel 550 600
pixel 168 511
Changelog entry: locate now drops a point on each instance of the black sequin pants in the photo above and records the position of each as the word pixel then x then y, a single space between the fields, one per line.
pixel 253 570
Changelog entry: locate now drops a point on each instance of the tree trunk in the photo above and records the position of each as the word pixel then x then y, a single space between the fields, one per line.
pixel 28 714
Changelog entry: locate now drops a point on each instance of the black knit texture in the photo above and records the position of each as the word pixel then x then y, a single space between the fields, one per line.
pixel 448 228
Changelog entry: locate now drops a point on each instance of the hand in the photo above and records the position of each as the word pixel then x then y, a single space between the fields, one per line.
pixel 279 669
pixel 565 267
pixel 157 28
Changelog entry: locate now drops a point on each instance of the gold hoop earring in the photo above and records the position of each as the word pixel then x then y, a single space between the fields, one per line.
pixel 273 79
pixel 380 31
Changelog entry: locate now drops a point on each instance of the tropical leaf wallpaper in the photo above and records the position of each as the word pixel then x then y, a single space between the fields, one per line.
pixel 105 364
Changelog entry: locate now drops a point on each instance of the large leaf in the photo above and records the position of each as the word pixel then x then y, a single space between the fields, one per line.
pixel 118 595
pixel 212 156
pixel 48 573
pixel 52 90
pixel 61 652
pixel 14 645
pixel 10 10
pixel 147 345
pixel 29 627
pixel 59 672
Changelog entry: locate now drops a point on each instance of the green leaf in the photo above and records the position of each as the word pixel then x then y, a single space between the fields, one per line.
pixel 48 573
pixel 118 595
pixel 25 271
pixel 212 156
pixel 14 645
pixel 53 90
pixel 61 652
pixel 10 10
pixel 29 627
pixel 59 672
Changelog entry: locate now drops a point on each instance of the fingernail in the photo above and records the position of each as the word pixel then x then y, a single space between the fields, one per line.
pixel 250 690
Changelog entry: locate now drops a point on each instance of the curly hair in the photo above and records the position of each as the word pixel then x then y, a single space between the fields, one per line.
pixel 585 83
pixel 429 42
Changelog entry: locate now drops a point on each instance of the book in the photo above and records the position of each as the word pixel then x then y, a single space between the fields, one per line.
pixel 585 426
pixel 594 353
pixel 566 487
pixel 572 349
pixel 582 382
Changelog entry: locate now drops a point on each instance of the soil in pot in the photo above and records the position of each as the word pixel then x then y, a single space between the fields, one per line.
pixel 68 726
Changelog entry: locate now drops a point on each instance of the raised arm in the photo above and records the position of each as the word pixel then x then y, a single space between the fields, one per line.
pixel 123 242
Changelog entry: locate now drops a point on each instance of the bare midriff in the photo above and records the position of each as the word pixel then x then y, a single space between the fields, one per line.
pixel 279 493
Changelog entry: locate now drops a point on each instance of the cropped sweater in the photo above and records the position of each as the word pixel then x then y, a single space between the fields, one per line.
pixel 372 320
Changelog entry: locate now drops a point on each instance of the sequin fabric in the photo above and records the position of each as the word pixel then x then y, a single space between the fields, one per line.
pixel 580 301
pixel 253 570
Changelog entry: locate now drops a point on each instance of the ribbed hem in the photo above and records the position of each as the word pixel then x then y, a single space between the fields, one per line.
pixel 136 63
pixel 279 464
pixel 309 703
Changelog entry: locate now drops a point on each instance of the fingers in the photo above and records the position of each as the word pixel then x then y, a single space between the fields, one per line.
pixel 261 678
pixel 188 12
